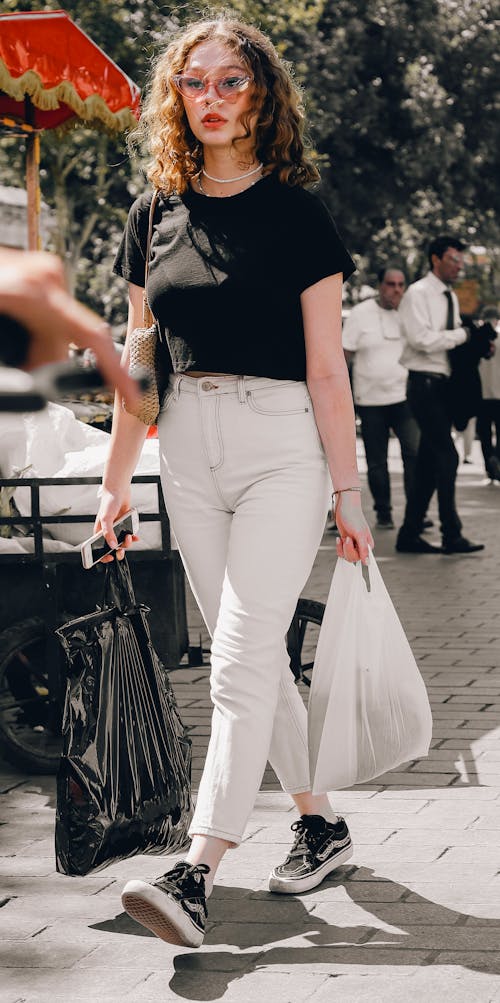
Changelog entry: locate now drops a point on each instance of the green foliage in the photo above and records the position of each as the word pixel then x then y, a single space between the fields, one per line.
pixel 402 101
pixel 404 115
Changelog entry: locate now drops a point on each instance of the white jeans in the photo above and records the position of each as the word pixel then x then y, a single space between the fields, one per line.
pixel 246 488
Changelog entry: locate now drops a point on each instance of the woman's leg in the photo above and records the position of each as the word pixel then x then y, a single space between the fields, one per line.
pixel 315 804
pixel 207 850
pixel 263 578
pixel 201 524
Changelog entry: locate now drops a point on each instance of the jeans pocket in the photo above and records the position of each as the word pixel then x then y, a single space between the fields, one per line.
pixel 285 400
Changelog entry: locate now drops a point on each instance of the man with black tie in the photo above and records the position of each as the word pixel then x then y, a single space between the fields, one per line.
pixel 431 327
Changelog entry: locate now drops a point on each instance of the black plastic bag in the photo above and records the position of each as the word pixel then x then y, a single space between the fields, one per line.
pixel 123 785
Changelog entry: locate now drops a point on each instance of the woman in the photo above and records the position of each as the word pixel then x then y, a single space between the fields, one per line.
pixel 246 278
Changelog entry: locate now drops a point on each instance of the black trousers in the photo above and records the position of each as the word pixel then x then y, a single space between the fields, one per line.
pixel 376 424
pixel 489 416
pixel 437 459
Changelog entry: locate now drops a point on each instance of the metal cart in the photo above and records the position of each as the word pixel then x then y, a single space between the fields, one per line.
pixel 41 590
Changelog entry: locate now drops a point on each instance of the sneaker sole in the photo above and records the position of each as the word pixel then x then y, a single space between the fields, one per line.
pixel 294 886
pixel 160 914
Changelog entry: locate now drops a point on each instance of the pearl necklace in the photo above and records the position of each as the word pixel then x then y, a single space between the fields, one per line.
pixel 229 181
pixel 208 196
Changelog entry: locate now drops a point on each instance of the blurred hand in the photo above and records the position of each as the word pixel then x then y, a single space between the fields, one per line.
pixel 355 535
pixel 33 292
pixel 112 507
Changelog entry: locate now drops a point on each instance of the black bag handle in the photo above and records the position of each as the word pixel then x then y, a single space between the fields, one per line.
pixel 118 588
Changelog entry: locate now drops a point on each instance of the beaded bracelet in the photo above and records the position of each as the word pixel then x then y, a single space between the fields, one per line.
pixel 340 491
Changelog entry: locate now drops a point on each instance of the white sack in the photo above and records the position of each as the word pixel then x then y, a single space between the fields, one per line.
pixel 53 443
pixel 368 706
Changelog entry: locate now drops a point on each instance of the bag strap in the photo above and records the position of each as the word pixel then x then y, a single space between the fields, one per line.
pixel 147 316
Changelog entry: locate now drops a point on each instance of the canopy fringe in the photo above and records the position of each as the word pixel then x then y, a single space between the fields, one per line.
pixel 92 111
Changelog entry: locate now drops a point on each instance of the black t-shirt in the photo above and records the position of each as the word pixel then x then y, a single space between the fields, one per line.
pixel 226 274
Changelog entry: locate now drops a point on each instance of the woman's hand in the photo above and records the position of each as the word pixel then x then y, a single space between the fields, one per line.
pixel 355 536
pixel 112 507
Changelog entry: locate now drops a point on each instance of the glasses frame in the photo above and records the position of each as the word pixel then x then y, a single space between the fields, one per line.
pixel 246 79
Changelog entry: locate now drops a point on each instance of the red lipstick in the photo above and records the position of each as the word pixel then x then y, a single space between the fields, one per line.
pixel 213 118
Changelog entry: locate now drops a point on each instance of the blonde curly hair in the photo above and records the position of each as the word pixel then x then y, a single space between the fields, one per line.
pixel 176 154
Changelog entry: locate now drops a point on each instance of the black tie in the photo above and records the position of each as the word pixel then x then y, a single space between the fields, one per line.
pixel 450 314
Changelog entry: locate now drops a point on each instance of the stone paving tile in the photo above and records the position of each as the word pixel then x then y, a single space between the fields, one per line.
pixel 480 961
pixel 245 988
pixel 55 884
pixel 444 869
pixel 20 985
pixel 13 866
pixel 468 837
pixel 31 953
pixel 489 821
pixel 473 895
pixel 468 796
pixel 431 983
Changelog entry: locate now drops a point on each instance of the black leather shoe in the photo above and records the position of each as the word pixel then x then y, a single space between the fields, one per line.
pixel 461 545
pixel 385 522
pixel 415 545
pixel 493 468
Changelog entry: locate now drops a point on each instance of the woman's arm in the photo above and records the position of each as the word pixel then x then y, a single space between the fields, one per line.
pixel 329 387
pixel 127 439
pixel 416 321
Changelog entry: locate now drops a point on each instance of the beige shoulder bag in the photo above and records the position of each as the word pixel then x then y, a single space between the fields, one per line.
pixel 144 349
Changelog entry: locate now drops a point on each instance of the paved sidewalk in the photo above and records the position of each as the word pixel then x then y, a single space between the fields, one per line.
pixel 415 913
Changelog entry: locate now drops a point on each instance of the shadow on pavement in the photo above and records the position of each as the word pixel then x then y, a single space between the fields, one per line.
pixel 207 975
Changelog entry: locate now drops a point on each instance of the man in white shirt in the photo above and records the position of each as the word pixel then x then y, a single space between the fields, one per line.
pixel 372 344
pixel 431 327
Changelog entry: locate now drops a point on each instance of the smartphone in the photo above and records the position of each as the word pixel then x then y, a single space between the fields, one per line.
pixel 96 547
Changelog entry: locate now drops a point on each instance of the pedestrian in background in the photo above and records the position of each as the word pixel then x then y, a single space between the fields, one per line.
pixel 488 419
pixel 246 281
pixel 431 327
pixel 372 344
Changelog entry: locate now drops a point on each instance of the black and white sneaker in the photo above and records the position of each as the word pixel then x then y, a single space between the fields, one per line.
pixel 319 847
pixel 174 906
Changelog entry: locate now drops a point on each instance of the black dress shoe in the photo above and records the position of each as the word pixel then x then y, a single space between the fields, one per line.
pixel 385 522
pixel 461 545
pixel 415 545
pixel 493 468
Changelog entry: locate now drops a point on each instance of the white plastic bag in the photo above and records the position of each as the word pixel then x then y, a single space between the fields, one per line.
pixel 368 706
pixel 53 443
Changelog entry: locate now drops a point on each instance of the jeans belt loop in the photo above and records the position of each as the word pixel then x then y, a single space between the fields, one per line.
pixel 177 386
pixel 241 390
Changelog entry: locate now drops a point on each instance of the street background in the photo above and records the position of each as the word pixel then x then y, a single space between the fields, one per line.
pixel 402 111
pixel 402 104
pixel 415 913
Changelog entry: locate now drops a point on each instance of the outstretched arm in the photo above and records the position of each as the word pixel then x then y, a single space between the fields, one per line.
pixel 33 292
